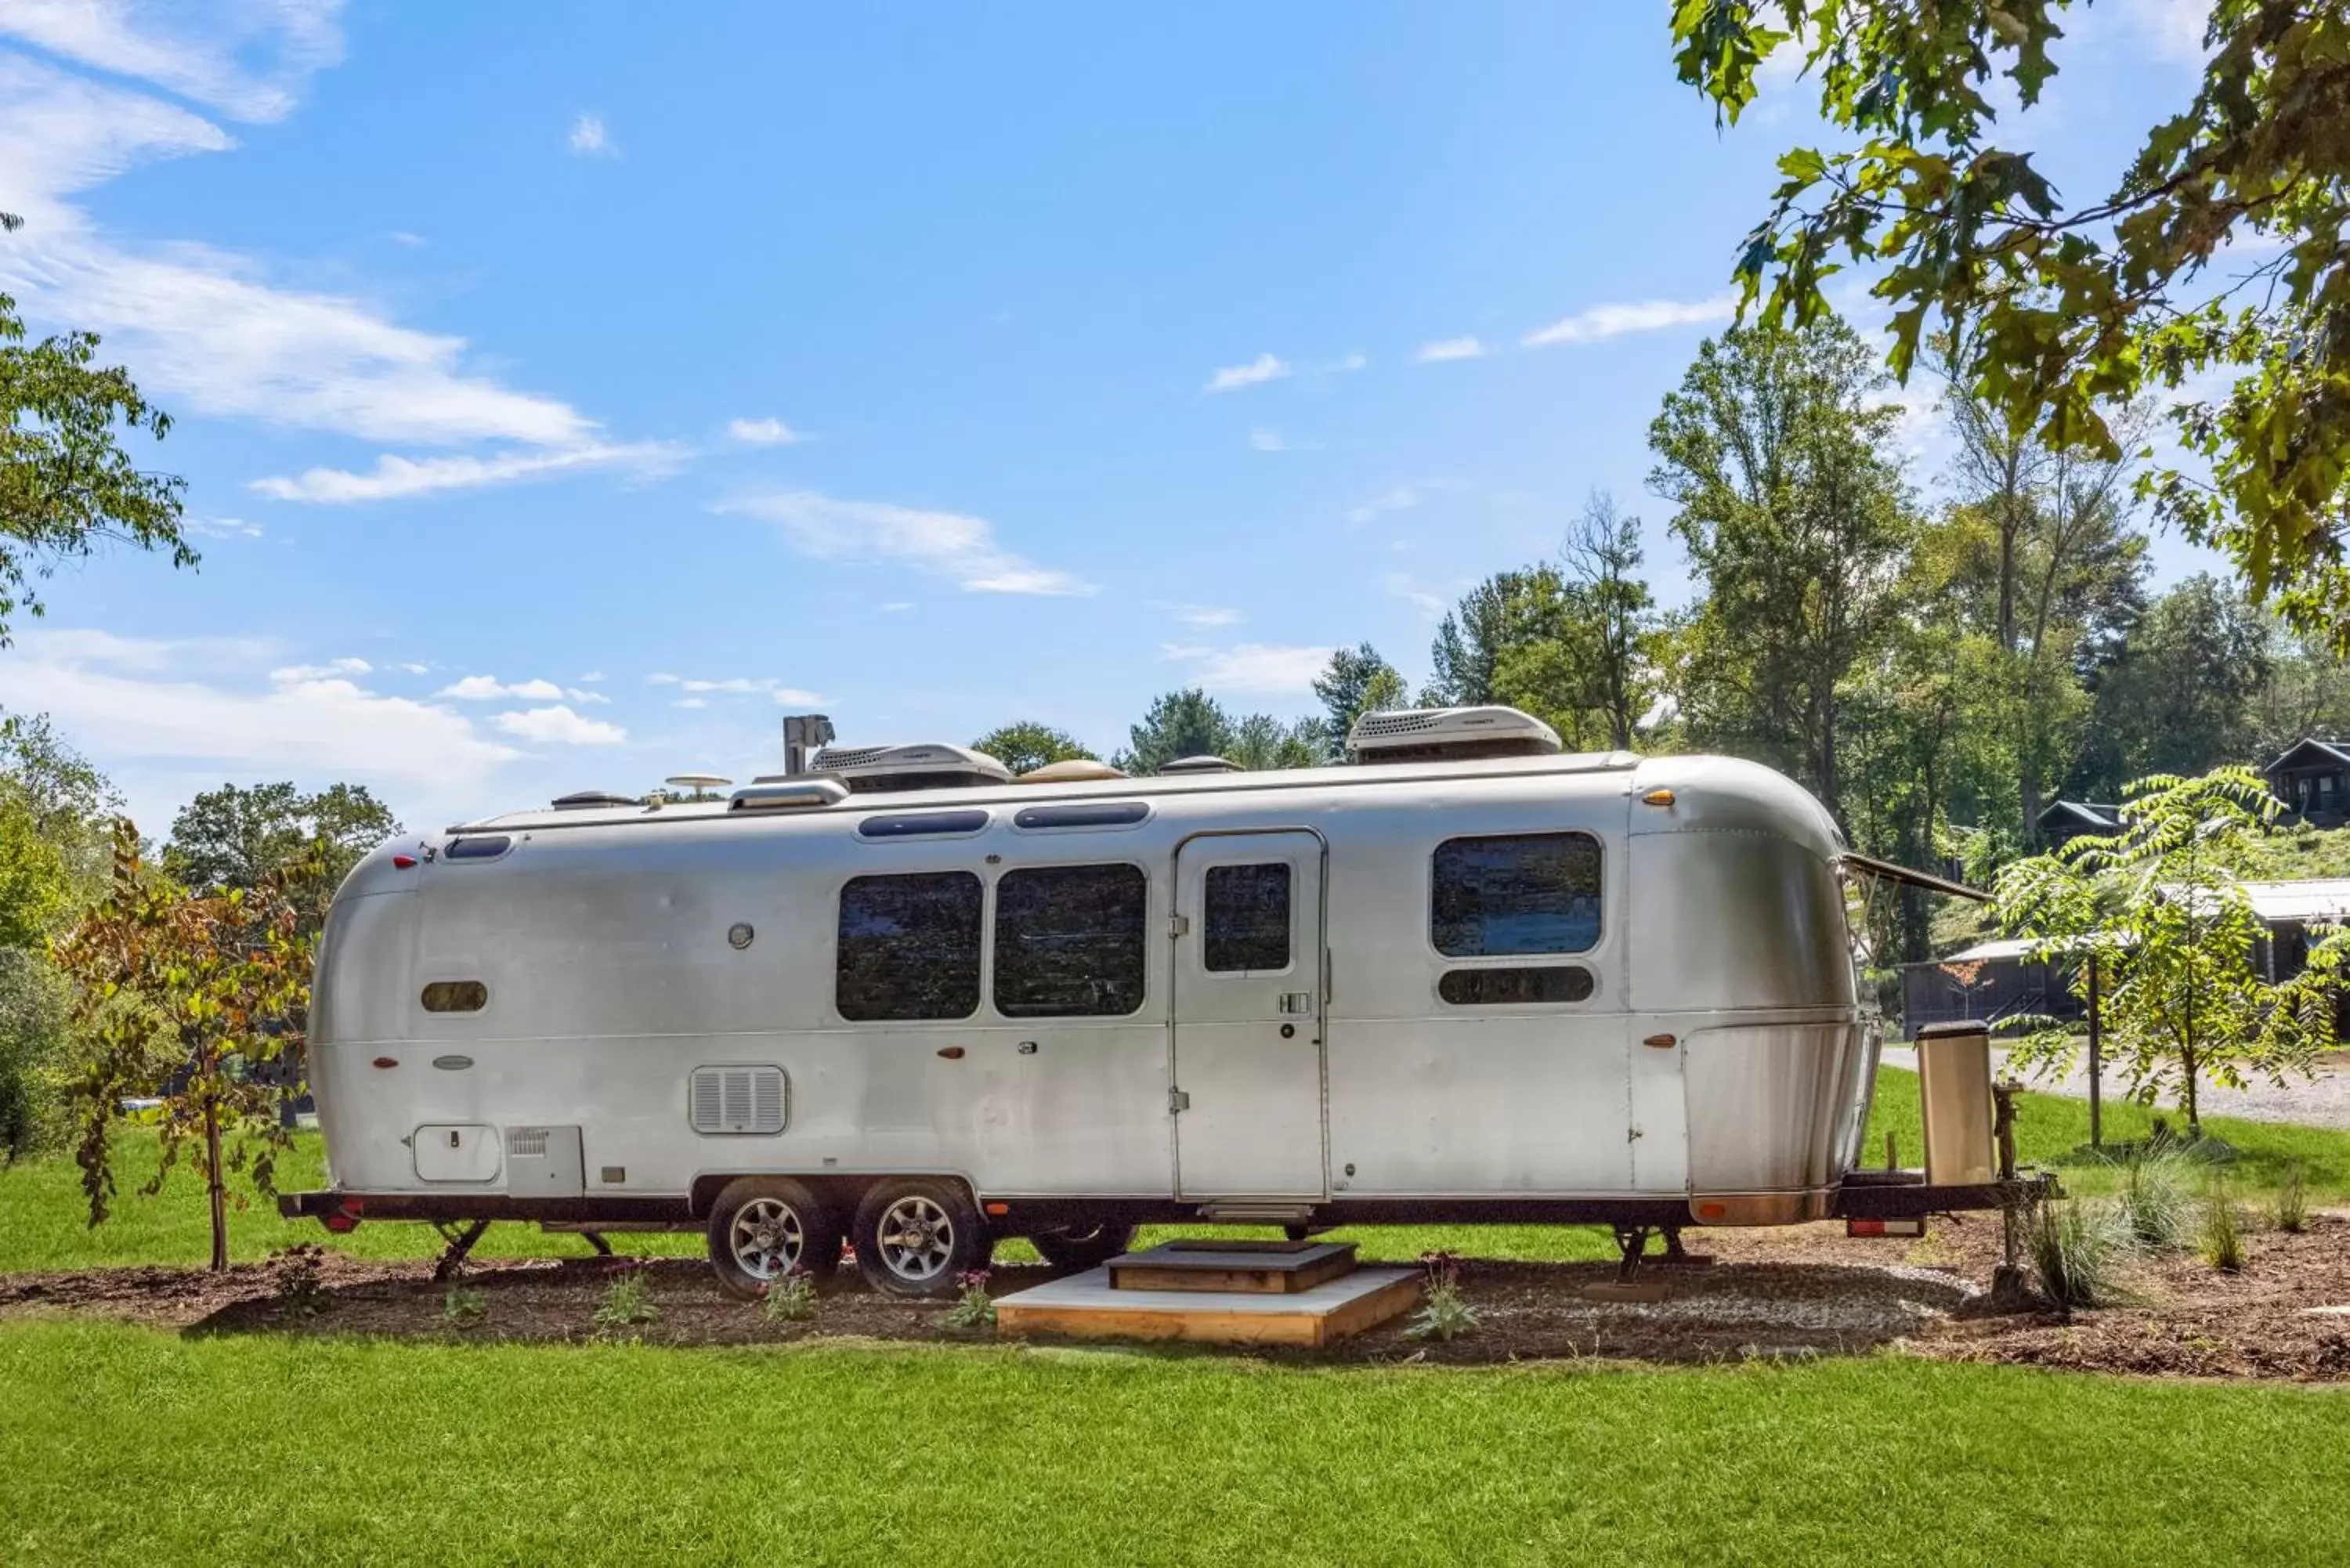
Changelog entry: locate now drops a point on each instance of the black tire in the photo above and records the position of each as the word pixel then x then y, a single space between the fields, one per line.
pixel 935 1234
pixel 764 1227
pixel 1082 1246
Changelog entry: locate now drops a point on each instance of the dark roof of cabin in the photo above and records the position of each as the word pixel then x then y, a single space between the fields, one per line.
pixel 2324 754
pixel 2080 814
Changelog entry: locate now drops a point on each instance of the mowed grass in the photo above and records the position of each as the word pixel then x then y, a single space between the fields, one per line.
pixel 44 1217
pixel 124 1445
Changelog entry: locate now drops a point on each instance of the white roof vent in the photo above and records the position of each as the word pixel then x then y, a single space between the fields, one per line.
pixel 872 770
pixel 1199 764
pixel 1450 734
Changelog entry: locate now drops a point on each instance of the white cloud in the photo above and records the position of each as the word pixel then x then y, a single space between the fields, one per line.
pixel 2170 31
pixel 1603 321
pixel 580 694
pixel 246 59
pixel 591 678
pixel 960 548
pixel 691 703
pixel 1406 586
pixel 1255 373
pixel 590 139
pixel 559 726
pixel 735 686
pixel 1198 615
pixel 1264 438
pixel 763 432
pixel 1268 668
pixel 1403 498
pixel 222 528
pixel 490 689
pixel 1350 364
pixel 1451 349
pixel 333 667
pixel 199 700
pixel 413 669
pixel 897 606
pixel 395 477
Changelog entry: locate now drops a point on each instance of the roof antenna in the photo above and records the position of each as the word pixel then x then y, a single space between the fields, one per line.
pixel 803 733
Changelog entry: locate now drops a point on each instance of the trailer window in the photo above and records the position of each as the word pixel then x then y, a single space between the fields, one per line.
pixel 909 947
pixel 1506 987
pixel 1515 893
pixel 456 996
pixel 1068 941
pixel 1244 918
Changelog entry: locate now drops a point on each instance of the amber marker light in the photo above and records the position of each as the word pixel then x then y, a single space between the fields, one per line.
pixel 1658 797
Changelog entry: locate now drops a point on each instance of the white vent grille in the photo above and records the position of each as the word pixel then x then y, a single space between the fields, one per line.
pixel 737 1100
pixel 526 1143
pixel 835 757
pixel 1394 723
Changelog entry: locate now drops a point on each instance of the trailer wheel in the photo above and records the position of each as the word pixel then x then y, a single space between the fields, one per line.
pixel 764 1226
pixel 915 1235
pixel 1082 1246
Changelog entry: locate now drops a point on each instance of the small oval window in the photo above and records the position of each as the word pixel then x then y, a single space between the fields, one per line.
pixel 922 824
pixel 456 996
pixel 1084 814
pixel 1502 987
pixel 484 849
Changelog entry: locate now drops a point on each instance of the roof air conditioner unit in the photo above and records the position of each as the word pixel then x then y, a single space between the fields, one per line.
pixel 874 770
pixel 1450 734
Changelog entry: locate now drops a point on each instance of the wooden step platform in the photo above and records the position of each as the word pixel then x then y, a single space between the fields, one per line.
pixel 1088 1306
pixel 1269 1268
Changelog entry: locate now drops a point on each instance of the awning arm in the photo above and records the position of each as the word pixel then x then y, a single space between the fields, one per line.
pixel 1869 865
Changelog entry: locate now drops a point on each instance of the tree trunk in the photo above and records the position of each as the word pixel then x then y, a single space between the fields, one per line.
pixel 2194 1116
pixel 216 1190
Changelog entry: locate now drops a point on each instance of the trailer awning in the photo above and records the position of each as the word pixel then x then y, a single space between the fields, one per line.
pixel 1885 870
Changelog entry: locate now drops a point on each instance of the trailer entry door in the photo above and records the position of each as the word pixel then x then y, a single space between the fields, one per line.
pixel 1248 1016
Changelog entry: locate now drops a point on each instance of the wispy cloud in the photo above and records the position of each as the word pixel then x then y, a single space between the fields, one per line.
pixel 559 726
pixel 248 61
pixel 763 432
pixel 1402 498
pixel 1255 373
pixel 1255 668
pixel 1603 321
pixel 590 140
pixel 1449 348
pixel 327 671
pixel 1407 588
pixel 950 544
pixel 222 528
pixel 1198 615
pixel 1265 439
pixel 395 477
pixel 490 689
pixel 735 686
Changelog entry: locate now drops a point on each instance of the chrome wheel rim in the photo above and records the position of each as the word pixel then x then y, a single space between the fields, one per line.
pixel 767 1238
pixel 917 1238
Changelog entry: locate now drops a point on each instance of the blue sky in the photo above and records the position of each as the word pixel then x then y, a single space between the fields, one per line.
pixel 566 391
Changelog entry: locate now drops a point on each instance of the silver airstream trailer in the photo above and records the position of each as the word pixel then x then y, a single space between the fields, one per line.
pixel 907 1000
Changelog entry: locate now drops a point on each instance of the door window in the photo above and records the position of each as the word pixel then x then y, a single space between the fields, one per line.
pixel 1244 918
pixel 1068 941
pixel 909 947
pixel 1515 893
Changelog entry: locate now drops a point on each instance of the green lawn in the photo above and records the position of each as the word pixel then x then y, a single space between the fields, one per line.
pixel 42 1213
pixel 125 1445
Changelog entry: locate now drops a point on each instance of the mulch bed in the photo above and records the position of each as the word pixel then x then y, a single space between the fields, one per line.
pixel 1796 1293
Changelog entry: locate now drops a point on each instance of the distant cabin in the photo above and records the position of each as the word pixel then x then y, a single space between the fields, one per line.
pixel 2070 819
pixel 2312 779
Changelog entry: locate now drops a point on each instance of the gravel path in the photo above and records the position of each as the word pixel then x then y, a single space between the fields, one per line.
pixel 2321 1102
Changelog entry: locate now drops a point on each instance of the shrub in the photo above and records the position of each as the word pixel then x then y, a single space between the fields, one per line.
pixel 973 1309
pixel 296 1272
pixel 791 1299
pixel 2223 1231
pixel 462 1308
pixel 1444 1314
pixel 2290 1212
pixel 627 1302
pixel 2155 1205
pixel 2077 1251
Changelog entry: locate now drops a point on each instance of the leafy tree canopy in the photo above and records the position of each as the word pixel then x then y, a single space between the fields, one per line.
pixel 1026 745
pixel 1357 681
pixel 245 837
pixel 2064 310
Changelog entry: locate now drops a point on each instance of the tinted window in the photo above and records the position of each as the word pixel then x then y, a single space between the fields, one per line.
pixel 1068 941
pixel 1518 893
pixel 909 947
pixel 915 825
pixel 1246 918
pixel 1500 987
pixel 456 996
pixel 476 848
pixel 1092 813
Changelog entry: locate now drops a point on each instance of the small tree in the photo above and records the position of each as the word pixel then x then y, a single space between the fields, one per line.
pixel 183 996
pixel 1026 745
pixel 2160 908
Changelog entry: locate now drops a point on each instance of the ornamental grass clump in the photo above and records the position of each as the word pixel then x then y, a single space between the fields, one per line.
pixel 2077 1252
pixel 791 1299
pixel 2155 1204
pixel 627 1302
pixel 974 1308
pixel 1444 1314
pixel 2288 1211
pixel 2223 1230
